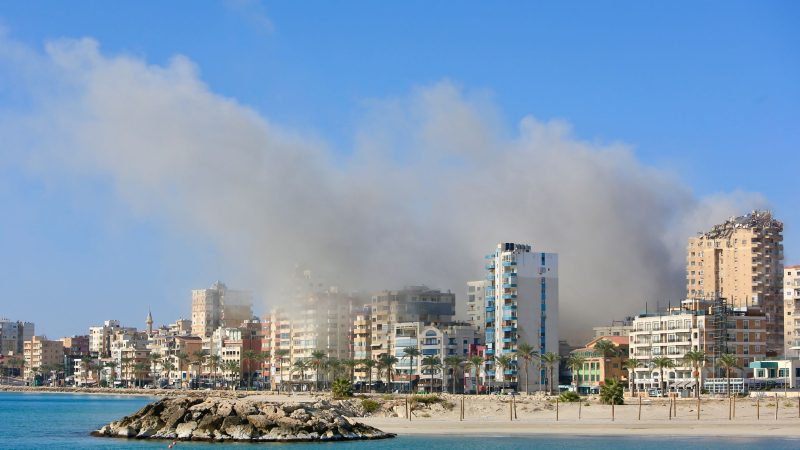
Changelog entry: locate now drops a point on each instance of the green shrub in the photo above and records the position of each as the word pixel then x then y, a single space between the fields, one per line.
pixel 369 405
pixel 611 392
pixel 569 396
pixel 387 397
pixel 342 388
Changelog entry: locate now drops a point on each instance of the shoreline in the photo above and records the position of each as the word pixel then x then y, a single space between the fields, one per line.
pixel 784 429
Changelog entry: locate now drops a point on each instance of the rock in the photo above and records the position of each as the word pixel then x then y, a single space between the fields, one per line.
pixel 184 430
pixel 222 419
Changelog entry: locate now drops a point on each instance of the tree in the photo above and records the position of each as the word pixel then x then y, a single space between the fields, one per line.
pixel 369 364
pixel 527 353
pixel 550 360
pixel 301 366
pixel 213 363
pixel 611 392
pixel 198 359
pixel 182 358
pixel 280 354
pixel 606 348
pixel 695 359
pixel 167 366
pixel 317 360
pixel 138 369
pixel 411 353
pixel 728 362
pixel 342 388
pixel 661 363
pixel 453 362
pixel 333 368
pixel 234 369
pixel 387 362
pixel 112 365
pixel 431 363
pixel 125 366
pixel 475 363
pixel 351 368
pixel 503 362
pixel 249 357
pixel 575 363
pixel 631 365
pixel 155 360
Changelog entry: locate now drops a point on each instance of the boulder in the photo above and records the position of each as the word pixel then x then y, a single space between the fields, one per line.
pixel 184 430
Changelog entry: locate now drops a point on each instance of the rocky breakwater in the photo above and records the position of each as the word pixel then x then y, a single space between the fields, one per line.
pixel 224 419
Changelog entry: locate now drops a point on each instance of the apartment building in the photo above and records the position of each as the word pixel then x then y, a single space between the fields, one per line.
pixel 476 303
pixel 617 328
pixel 411 304
pixel 100 337
pixel 362 330
pixel 599 367
pixel 791 311
pixel 219 306
pixel 711 327
pixel 521 306
pixel 39 352
pixel 741 260
pixel 13 334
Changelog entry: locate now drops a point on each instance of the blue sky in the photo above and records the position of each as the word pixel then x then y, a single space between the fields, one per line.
pixel 707 90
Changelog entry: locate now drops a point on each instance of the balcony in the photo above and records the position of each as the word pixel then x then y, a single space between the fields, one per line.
pixel 490 309
pixel 510 308
pixel 489 351
pixel 509 296
pixel 514 317
pixel 509 329
pixel 489 266
pixel 509 263
pixel 490 277
pixel 509 275
pixel 509 285
pixel 510 372
pixel 509 340
pixel 489 319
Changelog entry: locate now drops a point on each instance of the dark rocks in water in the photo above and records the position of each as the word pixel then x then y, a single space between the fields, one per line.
pixel 226 419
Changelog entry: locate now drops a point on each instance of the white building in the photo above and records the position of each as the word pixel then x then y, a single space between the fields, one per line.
pixel 521 306
pixel 475 308
pixel 791 311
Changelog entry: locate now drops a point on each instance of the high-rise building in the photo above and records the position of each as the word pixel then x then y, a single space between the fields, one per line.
pixel 100 337
pixel 411 304
pixel 219 306
pixel 791 311
pixel 475 304
pixel 13 334
pixel 361 341
pixel 741 260
pixel 521 306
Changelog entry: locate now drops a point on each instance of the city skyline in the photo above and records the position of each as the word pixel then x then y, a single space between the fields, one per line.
pixel 97 231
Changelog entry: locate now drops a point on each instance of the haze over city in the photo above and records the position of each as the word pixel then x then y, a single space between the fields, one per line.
pixel 142 158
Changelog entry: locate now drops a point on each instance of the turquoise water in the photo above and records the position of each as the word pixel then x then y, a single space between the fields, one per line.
pixel 63 421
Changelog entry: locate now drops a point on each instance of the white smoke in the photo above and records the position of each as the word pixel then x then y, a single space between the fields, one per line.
pixel 435 180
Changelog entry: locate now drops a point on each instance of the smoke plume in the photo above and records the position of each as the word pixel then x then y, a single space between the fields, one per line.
pixel 435 179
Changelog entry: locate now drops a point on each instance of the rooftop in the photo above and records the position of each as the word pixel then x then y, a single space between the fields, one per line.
pixel 754 220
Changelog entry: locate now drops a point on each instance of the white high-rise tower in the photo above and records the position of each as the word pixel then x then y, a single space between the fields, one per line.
pixel 521 307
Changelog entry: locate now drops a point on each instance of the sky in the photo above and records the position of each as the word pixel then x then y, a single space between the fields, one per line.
pixel 694 105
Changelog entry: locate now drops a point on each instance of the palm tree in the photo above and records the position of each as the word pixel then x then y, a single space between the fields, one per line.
pixel 317 360
pixel 351 367
pixel 503 362
pixel 155 359
pixel 695 358
pixel 234 369
pixel 728 362
pixel 527 353
pixel 213 364
pixel 606 348
pixel 280 354
pixel 264 359
pixel 387 362
pixel 453 362
pixel 431 363
pixel 550 361
pixel 85 363
pixel 369 364
pixel 198 358
pixel 475 363
pixel 125 367
pixel 575 363
pixel 138 369
pixel 662 362
pixel 333 367
pixel 167 366
pixel 301 366
pixel 411 353
pixel 182 358
pixel 113 366
pixel 249 357
pixel 631 364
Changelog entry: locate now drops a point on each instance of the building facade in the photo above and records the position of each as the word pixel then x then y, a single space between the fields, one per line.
pixel 599 367
pixel 521 306
pixel 219 306
pixel 40 353
pixel 13 334
pixel 476 303
pixel 741 260
pixel 791 311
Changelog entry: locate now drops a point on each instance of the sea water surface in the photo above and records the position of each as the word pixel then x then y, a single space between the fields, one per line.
pixel 64 421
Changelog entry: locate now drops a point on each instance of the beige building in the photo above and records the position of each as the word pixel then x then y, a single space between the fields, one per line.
pixel 741 260
pixel 791 311
pixel 597 367
pixel 411 304
pixel 219 306
pixel 361 342
pixel 40 352
pixel 710 327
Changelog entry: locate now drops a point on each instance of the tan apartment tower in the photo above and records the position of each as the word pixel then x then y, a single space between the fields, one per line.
pixel 741 260
pixel 219 306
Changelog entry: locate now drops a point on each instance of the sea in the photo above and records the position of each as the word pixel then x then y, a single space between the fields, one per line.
pixel 64 421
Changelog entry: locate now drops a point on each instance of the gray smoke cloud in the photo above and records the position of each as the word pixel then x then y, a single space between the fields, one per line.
pixel 436 178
